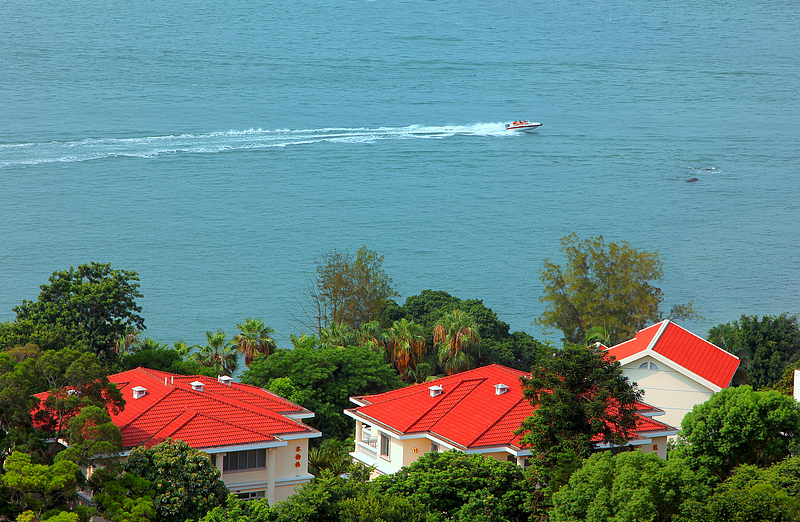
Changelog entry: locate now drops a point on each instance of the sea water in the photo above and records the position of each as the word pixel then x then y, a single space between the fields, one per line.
pixel 220 148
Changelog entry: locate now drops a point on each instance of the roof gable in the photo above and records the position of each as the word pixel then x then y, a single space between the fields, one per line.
pixel 688 353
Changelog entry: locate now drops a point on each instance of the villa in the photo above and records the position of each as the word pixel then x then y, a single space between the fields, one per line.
pixel 475 411
pixel 255 438
pixel 675 368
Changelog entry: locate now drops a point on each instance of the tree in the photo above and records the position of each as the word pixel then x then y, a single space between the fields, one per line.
pixel 628 487
pixel 38 488
pixel 218 354
pixel 323 378
pixel 459 486
pixel 163 359
pixel 185 481
pixel 351 290
pixel 254 339
pixel 89 307
pixel 581 399
pixel 122 497
pixel 516 350
pixel 606 285
pixel 405 346
pixel 74 380
pixel 737 426
pixel 457 341
pixel 766 346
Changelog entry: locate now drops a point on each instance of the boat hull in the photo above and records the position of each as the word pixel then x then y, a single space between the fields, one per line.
pixel 523 128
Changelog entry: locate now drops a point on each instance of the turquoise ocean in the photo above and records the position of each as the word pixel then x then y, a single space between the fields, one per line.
pixel 219 148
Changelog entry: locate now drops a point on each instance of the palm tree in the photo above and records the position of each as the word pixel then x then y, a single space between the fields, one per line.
pixel 148 344
pixel 254 339
pixel 218 353
pixel 405 346
pixel 338 334
pixel 456 337
pixel 373 337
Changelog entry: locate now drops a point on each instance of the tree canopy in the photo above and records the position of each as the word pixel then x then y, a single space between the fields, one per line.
pixel 580 399
pixel 766 346
pixel 186 483
pixel 737 426
pixel 322 378
pixel 348 289
pixel 628 487
pixel 611 286
pixel 90 307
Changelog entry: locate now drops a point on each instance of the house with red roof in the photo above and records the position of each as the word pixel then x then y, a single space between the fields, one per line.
pixel 256 439
pixel 475 411
pixel 675 368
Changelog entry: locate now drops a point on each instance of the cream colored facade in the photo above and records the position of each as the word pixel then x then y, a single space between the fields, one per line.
pixel 668 386
pixel 403 450
pixel 286 468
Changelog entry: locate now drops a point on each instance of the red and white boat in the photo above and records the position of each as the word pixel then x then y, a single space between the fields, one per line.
pixel 522 125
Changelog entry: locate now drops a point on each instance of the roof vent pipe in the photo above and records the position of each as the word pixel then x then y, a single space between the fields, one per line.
pixel 435 390
pixel 500 389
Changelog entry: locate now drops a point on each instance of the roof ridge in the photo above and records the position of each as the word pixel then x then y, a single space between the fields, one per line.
pixel 438 404
pixel 237 426
pixel 172 425
pixel 658 334
pixel 141 413
pixel 241 405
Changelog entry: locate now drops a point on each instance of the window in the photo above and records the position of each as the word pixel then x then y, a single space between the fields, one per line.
pixel 248 459
pixel 385 445
pixel 251 495
pixel 434 447
pixel 645 366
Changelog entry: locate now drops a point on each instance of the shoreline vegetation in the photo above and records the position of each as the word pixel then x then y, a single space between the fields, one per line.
pixel 86 324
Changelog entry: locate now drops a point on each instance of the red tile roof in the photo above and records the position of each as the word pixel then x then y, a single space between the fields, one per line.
pixel 467 413
pixel 220 415
pixel 686 350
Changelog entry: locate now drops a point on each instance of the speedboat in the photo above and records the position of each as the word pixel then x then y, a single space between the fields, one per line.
pixel 522 125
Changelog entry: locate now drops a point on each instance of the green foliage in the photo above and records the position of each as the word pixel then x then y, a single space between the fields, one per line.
pixel 581 399
pixel 38 487
pixel 323 378
pixel 19 380
pixel 122 497
pixel 185 481
pixel 350 290
pixel 74 380
pixel 254 339
pixel 219 354
pixel 753 494
pixel 603 285
pixel 237 510
pixel 734 427
pixel 766 346
pixel 332 455
pixel 516 350
pixel 163 359
pixel 457 342
pixel 628 487
pixel 461 487
pixel 93 439
pixel 90 307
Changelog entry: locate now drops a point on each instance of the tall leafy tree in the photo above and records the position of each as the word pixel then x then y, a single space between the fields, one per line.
pixel 608 285
pixel 91 307
pixel 581 399
pixel 186 483
pixel 629 487
pixel 457 342
pixel 322 378
pixel 737 426
pixel 349 289
pixel 218 354
pixel 254 339
pixel 766 346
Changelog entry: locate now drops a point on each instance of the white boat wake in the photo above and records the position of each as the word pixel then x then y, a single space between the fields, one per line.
pixel 22 154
